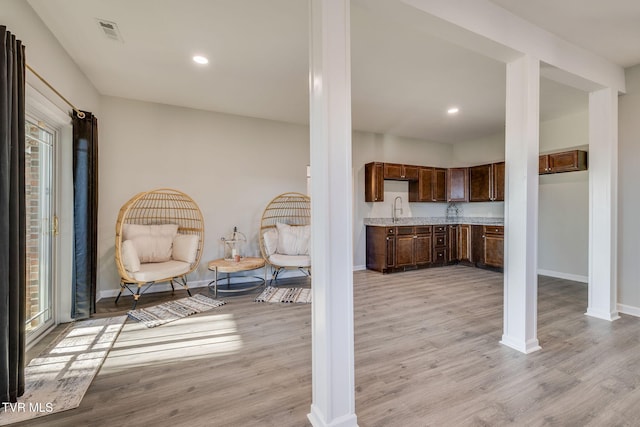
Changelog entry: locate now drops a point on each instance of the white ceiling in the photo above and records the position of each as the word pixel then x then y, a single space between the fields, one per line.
pixel 403 79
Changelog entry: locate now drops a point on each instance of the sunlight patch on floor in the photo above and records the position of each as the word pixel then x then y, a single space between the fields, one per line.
pixel 192 338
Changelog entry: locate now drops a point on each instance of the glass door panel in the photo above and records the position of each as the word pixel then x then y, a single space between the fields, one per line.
pixel 41 226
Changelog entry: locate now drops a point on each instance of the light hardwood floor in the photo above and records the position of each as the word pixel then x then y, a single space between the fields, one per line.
pixel 427 353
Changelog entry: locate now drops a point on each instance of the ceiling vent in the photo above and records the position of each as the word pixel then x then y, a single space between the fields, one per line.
pixel 110 30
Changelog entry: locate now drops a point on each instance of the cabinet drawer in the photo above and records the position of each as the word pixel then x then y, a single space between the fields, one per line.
pixel 494 230
pixel 391 231
pixel 439 228
pixel 440 240
pixel 426 229
pixel 439 256
pixel 403 231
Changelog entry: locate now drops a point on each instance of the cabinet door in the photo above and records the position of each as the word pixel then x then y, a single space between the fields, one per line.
pixel 373 182
pixel 393 171
pixel 494 245
pixel 498 182
pixel 464 243
pixel 477 244
pixel 405 251
pixel 439 185
pixel 543 164
pixel 480 183
pixel 494 250
pixel 411 173
pixel 458 185
pixel 390 252
pixel 453 243
pixel 568 161
pixel 425 183
pixel 423 249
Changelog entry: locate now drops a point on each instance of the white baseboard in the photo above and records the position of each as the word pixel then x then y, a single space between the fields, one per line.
pixel 359 267
pixel 567 276
pixel 629 309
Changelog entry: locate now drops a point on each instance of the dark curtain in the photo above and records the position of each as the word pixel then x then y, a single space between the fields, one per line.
pixel 85 211
pixel 12 217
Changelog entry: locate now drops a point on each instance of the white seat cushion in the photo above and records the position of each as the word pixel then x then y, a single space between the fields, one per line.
pixel 154 271
pixel 290 260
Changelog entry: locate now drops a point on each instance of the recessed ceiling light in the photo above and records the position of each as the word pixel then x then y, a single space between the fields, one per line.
pixel 200 59
pixel 453 110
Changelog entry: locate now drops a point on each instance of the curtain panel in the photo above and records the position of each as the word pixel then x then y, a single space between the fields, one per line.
pixel 85 207
pixel 12 217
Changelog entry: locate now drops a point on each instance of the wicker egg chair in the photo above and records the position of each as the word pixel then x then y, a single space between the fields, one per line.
pixel 158 208
pixel 292 209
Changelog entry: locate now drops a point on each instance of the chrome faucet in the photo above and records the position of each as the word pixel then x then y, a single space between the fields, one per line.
pixel 396 209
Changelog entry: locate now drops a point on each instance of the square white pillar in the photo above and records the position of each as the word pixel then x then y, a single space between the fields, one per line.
pixel 331 216
pixel 603 204
pixel 521 205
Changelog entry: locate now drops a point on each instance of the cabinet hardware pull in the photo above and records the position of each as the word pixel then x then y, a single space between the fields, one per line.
pixel 415 237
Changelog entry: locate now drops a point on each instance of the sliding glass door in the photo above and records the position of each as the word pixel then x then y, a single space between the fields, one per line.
pixel 42 226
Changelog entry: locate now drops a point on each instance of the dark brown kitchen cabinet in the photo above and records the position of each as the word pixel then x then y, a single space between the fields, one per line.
pixel 498 182
pixel 464 243
pixel 486 182
pixel 430 187
pixel 458 185
pixel 567 161
pixel 453 243
pixel 440 244
pixel 477 245
pixel 398 248
pixel 413 246
pixel 373 182
pixel 396 171
pixel 381 248
pixel 494 246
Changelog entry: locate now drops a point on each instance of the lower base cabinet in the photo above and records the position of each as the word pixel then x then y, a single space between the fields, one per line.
pixel 494 246
pixel 401 248
pixel 398 248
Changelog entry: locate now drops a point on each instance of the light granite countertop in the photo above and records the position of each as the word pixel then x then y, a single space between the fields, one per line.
pixel 388 222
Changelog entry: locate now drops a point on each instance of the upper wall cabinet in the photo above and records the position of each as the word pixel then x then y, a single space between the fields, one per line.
pixel 486 183
pixel 458 185
pixel 567 161
pixel 373 182
pixel 400 172
pixel 430 187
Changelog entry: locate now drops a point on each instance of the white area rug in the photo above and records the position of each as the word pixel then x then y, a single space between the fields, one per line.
pixel 173 310
pixel 58 378
pixel 286 295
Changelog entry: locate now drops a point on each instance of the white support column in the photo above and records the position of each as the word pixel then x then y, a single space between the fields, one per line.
pixel 331 216
pixel 603 203
pixel 521 205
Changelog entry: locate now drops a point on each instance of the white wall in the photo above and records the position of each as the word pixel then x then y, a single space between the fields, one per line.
pixel 563 215
pixel 231 166
pixel 45 55
pixel 629 196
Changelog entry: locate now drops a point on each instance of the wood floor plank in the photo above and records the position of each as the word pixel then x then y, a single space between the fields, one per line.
pixel 427 353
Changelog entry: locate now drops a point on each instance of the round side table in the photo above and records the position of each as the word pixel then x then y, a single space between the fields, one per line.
pixel 228 266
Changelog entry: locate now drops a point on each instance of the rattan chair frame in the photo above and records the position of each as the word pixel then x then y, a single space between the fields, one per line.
pixel 287 208
pixel 159 206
